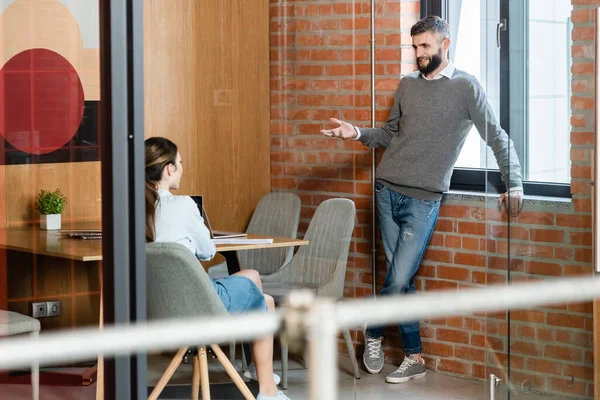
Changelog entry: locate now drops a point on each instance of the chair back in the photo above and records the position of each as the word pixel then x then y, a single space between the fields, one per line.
pixel 177 285
pixel 322 264
pixel 276 214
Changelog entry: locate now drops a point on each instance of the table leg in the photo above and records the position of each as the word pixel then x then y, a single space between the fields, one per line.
pixel 100 370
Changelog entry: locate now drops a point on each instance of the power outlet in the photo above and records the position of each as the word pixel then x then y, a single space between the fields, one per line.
pixel 53 308
pixel 39 310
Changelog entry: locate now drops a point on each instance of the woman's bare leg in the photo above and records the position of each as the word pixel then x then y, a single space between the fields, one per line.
pixel 262 349
pixel 251 274
pixel 262 354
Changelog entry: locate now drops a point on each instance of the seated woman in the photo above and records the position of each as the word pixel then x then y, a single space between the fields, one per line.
pixel 177 219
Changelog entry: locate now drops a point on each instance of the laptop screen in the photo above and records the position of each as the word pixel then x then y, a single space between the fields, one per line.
pixel 198 201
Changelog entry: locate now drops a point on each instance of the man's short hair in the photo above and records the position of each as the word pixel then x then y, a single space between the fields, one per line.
pixel 434 24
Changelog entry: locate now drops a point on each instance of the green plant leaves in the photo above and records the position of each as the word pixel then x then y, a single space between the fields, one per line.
pixel 47 202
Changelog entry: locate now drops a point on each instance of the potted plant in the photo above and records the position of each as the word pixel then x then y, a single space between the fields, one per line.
pixel 50 205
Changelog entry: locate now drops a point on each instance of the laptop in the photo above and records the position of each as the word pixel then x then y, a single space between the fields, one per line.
pixel 213 234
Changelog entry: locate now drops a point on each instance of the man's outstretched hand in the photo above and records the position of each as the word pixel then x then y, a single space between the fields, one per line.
pixel 344 130
pixel 513 201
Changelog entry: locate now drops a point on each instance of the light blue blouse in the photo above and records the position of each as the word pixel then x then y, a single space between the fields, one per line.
pixel 178 220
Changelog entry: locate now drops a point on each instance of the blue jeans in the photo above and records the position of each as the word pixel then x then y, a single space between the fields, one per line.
pixel 406 227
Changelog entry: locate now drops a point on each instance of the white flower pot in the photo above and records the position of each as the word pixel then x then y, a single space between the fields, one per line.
pixel 50 222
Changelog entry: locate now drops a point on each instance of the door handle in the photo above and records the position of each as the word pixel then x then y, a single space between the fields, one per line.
pixel 500 27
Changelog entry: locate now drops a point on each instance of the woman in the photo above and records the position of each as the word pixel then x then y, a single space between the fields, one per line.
pixel 177 219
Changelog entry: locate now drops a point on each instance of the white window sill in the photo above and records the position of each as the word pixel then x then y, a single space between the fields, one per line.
pixel 528 201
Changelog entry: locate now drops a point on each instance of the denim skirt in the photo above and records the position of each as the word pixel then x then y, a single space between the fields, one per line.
pixel 239 294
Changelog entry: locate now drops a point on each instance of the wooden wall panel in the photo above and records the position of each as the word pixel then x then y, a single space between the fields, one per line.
pixel 80 182
pixel 207 89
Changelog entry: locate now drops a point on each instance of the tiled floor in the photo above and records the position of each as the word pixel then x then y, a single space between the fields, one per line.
pixel 434 386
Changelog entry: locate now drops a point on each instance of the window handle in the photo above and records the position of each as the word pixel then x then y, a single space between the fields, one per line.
pixel 500 26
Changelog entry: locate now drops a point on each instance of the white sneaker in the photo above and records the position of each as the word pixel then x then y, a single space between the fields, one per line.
pixel 279 396
pixel 250 373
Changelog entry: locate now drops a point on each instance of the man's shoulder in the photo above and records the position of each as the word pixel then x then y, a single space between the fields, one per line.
pixel 464 78
pixel 408 79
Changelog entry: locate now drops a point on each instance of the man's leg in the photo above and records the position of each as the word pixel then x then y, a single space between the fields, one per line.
pixel 417 219
pixel 406 225
pixel 373 358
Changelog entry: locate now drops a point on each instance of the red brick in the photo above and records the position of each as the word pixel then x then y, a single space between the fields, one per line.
pixel 560 384
pixel 581 68
pixel 453 211
pixel 582 33
pixel 579 371
pixel 438 255
pixel 525 332
pixel 455 367
pixel 566 320
pixel 544 366
pixel 562 253
pixel 476 260
pixel 445 225
pixel 542 268
pixel 547 235
pixel 527 348
pixel 474 244
pixel 453 273
pixel 437 239
pixel 504 231
pixel 472 228
pixel 533 316
pixel 563 353
pixel 536 218
pixel 544 334
pixel 470 353
pixel 438 349
pixel 574 221
pixel 432 284
pixel 450 335
pixel 581 16
pixel 488 342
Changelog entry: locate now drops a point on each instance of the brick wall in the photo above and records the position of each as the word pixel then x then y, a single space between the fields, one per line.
pixel 320 66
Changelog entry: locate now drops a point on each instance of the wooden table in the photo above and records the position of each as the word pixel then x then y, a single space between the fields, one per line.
pixel 51 243
pixel 31 239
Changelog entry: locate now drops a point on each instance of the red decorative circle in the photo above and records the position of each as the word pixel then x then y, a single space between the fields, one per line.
pixel 41 101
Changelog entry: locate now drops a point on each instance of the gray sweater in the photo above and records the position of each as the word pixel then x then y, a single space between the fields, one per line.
pixel 426 130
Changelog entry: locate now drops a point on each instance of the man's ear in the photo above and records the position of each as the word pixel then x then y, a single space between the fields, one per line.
pixel 446 44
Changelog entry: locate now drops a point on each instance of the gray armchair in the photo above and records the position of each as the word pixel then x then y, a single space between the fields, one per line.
pixel 320 266
pixel 178 287
pixel 276 214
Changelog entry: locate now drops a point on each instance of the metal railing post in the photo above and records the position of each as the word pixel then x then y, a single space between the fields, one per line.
pixel 323 350
pixel 494 380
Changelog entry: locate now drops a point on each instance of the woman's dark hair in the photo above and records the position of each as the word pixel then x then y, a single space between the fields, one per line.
pixel 160 152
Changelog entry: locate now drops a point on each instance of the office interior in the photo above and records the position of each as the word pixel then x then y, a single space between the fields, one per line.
pixel 244 89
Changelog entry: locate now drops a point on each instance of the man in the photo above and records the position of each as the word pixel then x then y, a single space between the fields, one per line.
pixel 434 109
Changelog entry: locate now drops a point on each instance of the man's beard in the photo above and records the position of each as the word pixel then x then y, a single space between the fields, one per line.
pixel 434 62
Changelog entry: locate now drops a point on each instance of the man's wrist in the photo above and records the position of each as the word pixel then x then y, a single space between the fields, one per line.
pixel 357 133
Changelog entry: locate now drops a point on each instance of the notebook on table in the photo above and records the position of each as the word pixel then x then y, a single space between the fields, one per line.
pixel 214 234
pixel 85 234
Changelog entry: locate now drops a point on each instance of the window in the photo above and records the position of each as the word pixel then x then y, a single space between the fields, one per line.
pixel 527 81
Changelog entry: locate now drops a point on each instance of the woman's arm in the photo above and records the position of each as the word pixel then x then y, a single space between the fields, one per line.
pixel 205 249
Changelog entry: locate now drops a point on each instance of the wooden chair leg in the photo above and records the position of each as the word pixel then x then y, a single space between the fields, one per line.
pixel 233 374
pixel 196 378
pixel 35 375
pixel 204 383
pixel 164 379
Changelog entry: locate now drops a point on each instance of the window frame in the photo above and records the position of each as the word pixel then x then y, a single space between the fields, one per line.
pixel 489 181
